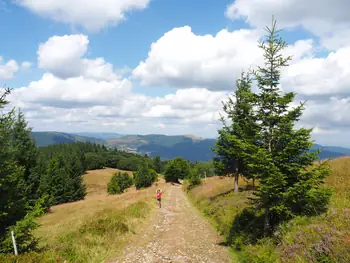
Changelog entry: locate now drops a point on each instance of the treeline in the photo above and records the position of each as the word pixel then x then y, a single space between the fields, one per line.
pixel 33 179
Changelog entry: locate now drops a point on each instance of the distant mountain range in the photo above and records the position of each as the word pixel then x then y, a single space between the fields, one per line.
pixel 48 138
pixel 167 147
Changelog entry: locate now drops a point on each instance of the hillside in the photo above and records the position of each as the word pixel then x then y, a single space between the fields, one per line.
pixel 49 138
pixel 323 238
pixel 167 147
pixel 100 135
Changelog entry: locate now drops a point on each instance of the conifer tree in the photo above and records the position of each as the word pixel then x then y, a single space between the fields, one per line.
pixel 25 154
pixel 12 201
pixel 289 183
pixel 157 164
pixel 238 135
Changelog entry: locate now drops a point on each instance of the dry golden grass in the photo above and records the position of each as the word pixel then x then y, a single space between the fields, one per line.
pixel 212 186
pixel 69 217
pixel 303 236
pixel 96 181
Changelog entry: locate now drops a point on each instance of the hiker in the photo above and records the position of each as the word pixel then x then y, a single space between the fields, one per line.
pixel 159 197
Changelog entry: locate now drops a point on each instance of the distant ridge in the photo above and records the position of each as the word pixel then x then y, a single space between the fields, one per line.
pixel 188 146
pixel 49 138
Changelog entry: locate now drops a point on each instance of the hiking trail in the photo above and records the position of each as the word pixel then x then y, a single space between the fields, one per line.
pixel 176 233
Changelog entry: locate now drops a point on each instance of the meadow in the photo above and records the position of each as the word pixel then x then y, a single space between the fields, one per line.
pixel 93 229
pixel 324 238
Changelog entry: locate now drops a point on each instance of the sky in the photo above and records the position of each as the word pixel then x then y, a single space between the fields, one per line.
pixel 165 66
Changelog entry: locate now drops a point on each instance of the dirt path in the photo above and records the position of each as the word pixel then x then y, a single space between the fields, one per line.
pixel 177 234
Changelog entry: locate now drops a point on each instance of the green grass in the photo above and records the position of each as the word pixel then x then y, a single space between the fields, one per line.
pixel 324 238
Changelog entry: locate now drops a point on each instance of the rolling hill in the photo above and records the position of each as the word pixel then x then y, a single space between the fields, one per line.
pixel 48 138
pixel 167 147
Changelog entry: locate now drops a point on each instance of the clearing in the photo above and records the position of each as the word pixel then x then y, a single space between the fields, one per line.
pixel 176 233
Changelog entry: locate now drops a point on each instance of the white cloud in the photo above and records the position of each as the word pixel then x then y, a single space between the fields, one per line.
pixel 63 57
pixel 329 20
pixel 95 97
pixel 8 69
pixel 73 92
pixel 329 75
pixel 91 14
pixel 182 59
pixel 26 65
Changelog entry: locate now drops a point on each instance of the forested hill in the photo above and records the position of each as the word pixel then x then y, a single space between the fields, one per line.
pixel 50 138
pixel 167 147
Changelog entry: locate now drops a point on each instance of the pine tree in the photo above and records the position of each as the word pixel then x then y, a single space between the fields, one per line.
pixel 287 186
pixel 237 139
pixel 12 204
pixel 157 164
pixel 25 154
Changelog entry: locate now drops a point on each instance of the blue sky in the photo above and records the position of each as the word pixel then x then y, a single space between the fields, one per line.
pixel 175 86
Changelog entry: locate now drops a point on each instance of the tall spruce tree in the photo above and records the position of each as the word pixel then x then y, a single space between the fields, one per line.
pixel 238 135
pixel 289 182
pixel 25 154
pixel 12 201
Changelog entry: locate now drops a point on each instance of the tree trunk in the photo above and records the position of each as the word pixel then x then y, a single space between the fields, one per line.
pixel 236 183
pixel 267 222
pixel 253 184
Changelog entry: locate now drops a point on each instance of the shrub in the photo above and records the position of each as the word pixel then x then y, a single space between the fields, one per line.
pixel 144 177
pixel 25 240
pixel 176 169
pixel 118 183
pixel 194 178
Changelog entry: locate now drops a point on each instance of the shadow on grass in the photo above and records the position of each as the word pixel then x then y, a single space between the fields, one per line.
pixel 247 228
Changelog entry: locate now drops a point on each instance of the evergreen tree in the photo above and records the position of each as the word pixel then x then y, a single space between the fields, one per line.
pixel 76 171
pixel 12 201
pixel 119 183
pixel 176 169
pixel 236 139
pixel 144 177
pixel 157 164
pixel 287 186
pixel 25 154
pixel 15 183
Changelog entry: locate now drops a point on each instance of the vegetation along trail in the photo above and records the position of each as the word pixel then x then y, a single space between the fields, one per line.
pixel 176 233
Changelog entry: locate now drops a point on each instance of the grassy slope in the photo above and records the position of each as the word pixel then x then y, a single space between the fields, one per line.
pixel 324 238
pixel 93 229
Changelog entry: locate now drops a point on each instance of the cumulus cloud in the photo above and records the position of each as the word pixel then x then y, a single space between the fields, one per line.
pixel 183 59
pixel 325 76
pixel 63 57
pixel 8 69
pixel 91 14
pixel 328 20
pixel 96 97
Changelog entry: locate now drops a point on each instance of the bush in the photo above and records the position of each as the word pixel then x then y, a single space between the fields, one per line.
pixel 118 183
pixel 194 178
pixel 176 169
pixel 144 177
pixel 25 239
